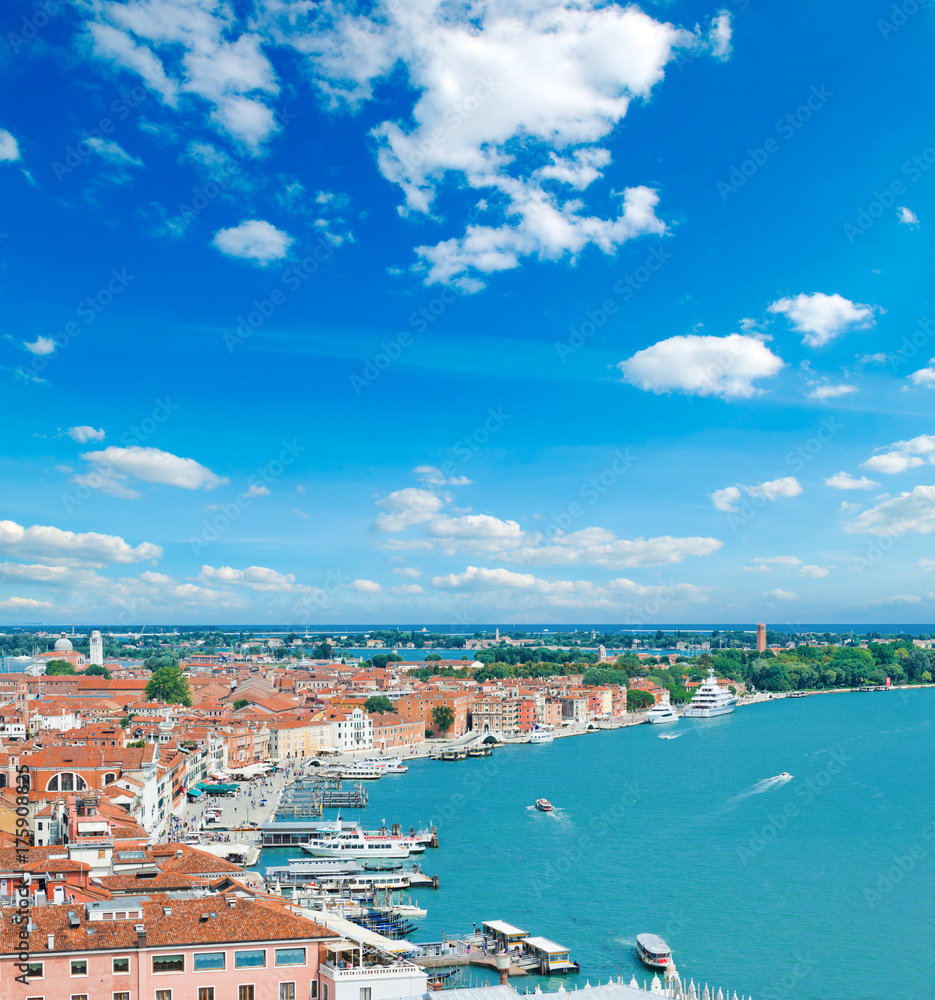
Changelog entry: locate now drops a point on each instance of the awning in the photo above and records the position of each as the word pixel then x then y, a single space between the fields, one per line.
pixel 359 934
pixel 195 793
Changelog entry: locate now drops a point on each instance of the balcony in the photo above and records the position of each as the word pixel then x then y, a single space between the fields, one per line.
pixel 401 970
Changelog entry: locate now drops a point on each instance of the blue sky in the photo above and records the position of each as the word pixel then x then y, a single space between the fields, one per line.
pixel 461 313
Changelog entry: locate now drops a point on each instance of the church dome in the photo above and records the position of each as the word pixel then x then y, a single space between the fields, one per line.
pixel 63 645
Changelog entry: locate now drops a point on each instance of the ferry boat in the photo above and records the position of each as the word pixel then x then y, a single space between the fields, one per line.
pixel 353 844
pixel 710 700
pixel 543 805
pixel 541 736
pixel 653 951
pixel 385 765
pixel 362 772
pixel 662 714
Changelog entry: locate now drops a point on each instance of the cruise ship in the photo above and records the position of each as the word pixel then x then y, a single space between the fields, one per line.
pixel 710 699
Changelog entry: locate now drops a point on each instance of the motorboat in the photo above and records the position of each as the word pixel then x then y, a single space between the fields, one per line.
pixel 785 774
pixel 543 805
pixel 653 951
pixel 670 736
pixel 539 735
pixel 662 714
pixel 710 700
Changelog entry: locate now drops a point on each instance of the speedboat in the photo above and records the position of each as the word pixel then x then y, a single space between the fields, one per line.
pixel 662 714
pixel 710 700
pixel 653 951
pixel 543 805
pixel 669 736
pixel 785 774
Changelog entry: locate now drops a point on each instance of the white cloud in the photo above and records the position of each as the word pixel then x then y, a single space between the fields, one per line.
pixel 781 595
pixel 366 586
pixel 406 588
pixel 112 152
pixel 775 489
pixel 476 532
pixel 299 513
pixel 481 578
pixel 895 599
pixel 84 433
pixel 407 507
pixel 253 239
pixel 925 563
pixel 924 377
pixel 41 345
pixel 657 592
pixel 181 47
pixel 150 465
pixel 410 571
pixel 825 391
pixel 726 367
pixel 600 547
pixel 815 572
pixel 786 562
pixel 822 317
pixel 258 578
pixel 720 36
pixel 23 604
pixel 903 455
pixel 432 476
pixel 845 481
pixel 907 512
pixel 255 490
pixel 907 217
pixel 9 147
pixel 70 548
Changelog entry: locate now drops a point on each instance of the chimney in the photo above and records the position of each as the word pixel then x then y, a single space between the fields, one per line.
pixel 51 942
pixel 140 935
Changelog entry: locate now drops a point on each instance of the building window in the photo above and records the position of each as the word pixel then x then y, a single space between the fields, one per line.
pixel 109 777
pixel 79 996
pixel 314 992
pixel 205 993
pixel 210 961
pixel 324 987
pixel 121 965
pixel 163 994
pixel 79 966
pixel 290 956
pixel 253 959
pixel 34 970
pixel 287 991
pixel 246 992
pixel 365 993
pixel 168 963
pixel 121 996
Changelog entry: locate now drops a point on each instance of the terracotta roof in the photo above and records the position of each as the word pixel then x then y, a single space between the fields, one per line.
pixel 245 921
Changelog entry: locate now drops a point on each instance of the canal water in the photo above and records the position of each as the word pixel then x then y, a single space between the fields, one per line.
pixel 816 887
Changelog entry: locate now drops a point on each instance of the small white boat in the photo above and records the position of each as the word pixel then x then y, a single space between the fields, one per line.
pixel 653 951
pixel 785 774
pixel 670 736
pixel 541 735
pixel 543 805
pixel 662 714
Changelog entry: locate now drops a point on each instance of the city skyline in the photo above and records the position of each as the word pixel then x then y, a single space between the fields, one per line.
pixel 562 313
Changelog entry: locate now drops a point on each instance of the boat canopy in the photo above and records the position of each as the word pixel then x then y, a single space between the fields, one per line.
pixel 501 928
pixel 361 935
pixel 653 943
pixel 546 946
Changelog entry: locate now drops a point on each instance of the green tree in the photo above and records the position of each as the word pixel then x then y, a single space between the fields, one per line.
pixel 125 721
pixel 443 717
pixel 378 703
pixel 138 743
pixel 58 668
pixel 638 700
pixel 380 660
pixel 96 670
pixel 170 686
pixel 240 702
pixel 323 651
pixel 433 656
pixel 157 660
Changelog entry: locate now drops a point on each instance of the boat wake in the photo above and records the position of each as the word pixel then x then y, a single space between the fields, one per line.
pixel 670 736
pixel 760 787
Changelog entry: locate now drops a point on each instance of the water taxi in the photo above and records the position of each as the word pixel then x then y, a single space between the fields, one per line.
pixel 543 805
pixel 653 951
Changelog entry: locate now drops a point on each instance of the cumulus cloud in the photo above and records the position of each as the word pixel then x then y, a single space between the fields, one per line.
pixel 84 433
pixel 786 562
pixel 150 465
pixel 253 239
pixel 112 152
pixel 23 603
pixel 481 578
pixel 903 455
pixel 908 512
pixel 815 572
pixel 826 391
pixel 432 476
pixel 600 547
pixel 41 345
pixel 406 589
pixel 781 595
pixel 845 481
pixel 258 578
pixel 366 586
pixel 411 571
pixel 9 147
pixel 71 548
pixel 822 318
pixel 697 365
pixel 720 36
pixel 406 507
pixel 775 489
pixel 924 377
pixel 255 490
pixel 907 217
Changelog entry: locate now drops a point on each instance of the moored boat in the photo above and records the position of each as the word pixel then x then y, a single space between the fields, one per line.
pixel 710 700
pixel 662 714
pixel 541 735
pixel 653 951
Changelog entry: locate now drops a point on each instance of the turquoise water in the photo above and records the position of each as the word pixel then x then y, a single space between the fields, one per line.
pixel 816 887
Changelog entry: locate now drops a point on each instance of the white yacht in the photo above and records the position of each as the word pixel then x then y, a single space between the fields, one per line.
pixel 541 736
pixel 710 699
pixel 350 844
pixel 385 765
pixel 662 714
